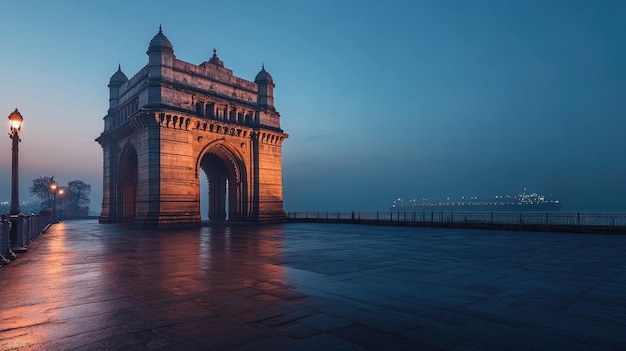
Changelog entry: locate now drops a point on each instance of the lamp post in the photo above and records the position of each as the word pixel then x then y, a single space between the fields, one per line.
pixel 61 192
pixel 53 187
pixel 15 122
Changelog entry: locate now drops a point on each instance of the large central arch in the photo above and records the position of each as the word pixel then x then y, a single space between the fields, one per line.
pixel 227 182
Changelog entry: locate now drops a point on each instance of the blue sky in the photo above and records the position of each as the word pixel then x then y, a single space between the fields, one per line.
pixel 381 100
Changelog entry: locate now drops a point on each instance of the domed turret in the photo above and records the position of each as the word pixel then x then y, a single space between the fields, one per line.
pixel 265 82
pixel 160 43
pixel 118 78
pixel 115 83
pixel 160 62
pixel 263 77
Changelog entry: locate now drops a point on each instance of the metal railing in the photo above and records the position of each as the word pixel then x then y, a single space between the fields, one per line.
pixel 17 232
pixel 583 221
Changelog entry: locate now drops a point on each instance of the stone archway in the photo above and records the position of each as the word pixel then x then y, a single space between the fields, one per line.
pixel 227 186
pixel 128 179
pixel 174 120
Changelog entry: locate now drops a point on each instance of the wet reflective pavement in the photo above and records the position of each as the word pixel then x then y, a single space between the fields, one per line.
pixel 88 286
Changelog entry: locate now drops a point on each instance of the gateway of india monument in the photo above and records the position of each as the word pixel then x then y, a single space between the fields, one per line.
pixel 174 122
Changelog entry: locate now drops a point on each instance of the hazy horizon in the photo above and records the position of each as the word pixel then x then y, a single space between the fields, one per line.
pixel 407 99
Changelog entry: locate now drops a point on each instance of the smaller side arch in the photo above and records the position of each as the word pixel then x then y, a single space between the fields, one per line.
pixel 127 189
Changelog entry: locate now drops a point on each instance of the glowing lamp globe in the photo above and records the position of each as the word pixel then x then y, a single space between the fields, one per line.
pixel 15 119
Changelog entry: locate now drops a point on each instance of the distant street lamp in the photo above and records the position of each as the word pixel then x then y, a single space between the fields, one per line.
pixel 15 122
pixel 53 187
pixel 61 192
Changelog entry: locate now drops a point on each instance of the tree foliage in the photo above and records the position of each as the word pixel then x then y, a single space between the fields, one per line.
pixel 71 200
pixel 77 197
pixel 41 188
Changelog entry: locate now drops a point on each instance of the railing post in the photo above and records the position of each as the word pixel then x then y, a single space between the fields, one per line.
pixel 578 218
pixel 36 229
pixel 29 229
pixel 376 216
pixel 414 216
pixel 547 219
pixel 19 242
pixel 4 242
pixel 35 226
pixel 432 217
pixel 520 218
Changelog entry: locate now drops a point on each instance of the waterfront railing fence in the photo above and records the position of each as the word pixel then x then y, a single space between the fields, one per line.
pixel 407 217
pixel 18 231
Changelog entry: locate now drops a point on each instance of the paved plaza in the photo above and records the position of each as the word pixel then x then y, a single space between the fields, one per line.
pixel 300 286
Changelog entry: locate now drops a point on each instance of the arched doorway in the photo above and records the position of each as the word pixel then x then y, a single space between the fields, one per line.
pixel 128 184
pixel 225 186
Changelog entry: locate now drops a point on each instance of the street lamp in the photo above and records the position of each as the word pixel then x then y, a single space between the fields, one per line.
pixel 61 192
pixel 53 187
pixel 15 122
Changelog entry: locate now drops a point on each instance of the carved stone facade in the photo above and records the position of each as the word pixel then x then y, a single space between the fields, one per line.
pixel 174 122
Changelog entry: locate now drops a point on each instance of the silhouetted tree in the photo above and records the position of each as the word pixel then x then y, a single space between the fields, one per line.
pixel 76 199
pixel 73 202
pixel 41 188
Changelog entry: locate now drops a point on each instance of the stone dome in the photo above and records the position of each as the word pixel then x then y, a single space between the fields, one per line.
pixel 118 78
pixel 263 76
pixel 160 42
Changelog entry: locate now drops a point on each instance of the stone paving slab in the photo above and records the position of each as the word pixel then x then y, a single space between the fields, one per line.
pixel 309 286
